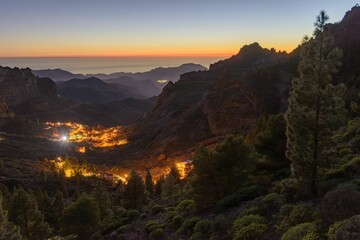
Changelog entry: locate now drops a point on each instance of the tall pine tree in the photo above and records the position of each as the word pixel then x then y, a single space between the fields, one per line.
pixel 24 212
pixel 316 106
pixel 81 218
pixel 8 230
pixel 149 183
pixel 134 192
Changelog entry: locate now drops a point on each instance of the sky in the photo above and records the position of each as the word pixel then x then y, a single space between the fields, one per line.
pixel 63 28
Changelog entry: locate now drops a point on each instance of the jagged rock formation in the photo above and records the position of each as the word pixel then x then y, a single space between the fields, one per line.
pixel 19 85
pixel 231 97
pixel 227 99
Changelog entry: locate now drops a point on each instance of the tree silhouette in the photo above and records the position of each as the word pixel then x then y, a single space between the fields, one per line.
pixel 316 106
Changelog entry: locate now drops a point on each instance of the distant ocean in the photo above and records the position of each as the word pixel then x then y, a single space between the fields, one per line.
pixel 107 65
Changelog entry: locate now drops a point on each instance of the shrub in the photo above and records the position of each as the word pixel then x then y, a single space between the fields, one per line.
pixel 132 214
pixel 149 224
pixel 350 169
pixel 157 233
pixel 235 199
pixel 249 227
pixel 186 204
pixel 253 231
pixel 345 199
pixel 171 214
pixel 177 220
pixel 157 209
pixel 221 223
pixel 348 229
pixel 329 184
pixel 120 211
pixel 124 221
pixel 291 215
pixel 248 219
pixel 203 227
pixel 270 202
pixel 250 210
pixel 289 188
pixel 188 225
pixel 299 231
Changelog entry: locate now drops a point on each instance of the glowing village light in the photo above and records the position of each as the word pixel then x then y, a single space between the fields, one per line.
pixel 64 138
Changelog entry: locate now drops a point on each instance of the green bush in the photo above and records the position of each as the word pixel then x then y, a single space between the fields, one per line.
pixel 191 222
pixel 197 236
pixel 345 151
pixel 120 212
pixel 177 220
pixel 169 209
pixel 291 215
pixel 149 224
pixel 250 210
pixel 247 193
pixel 157 209
pixel 221 223
pixel 289 188
pixel 270 202
pixel 157 233
pixel 171 214
pixel 348 229
pixel 253 231
pixel 203 227
pixel 299 231
pixel 249 227
pixel 248 219
pixel 350 169
pixel 186 204
pixel 132 214
pixel 345 199
pixel 187 226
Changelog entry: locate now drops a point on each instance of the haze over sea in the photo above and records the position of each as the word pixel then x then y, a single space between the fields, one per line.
pixel 107 65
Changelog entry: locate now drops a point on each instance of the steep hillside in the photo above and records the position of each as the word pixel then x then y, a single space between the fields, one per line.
pixel 227 99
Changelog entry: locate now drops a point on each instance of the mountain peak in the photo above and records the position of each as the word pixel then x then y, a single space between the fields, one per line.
pixel 253 47
pixel 353 15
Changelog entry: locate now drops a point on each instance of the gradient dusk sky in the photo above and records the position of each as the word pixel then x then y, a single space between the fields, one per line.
pixel 154 27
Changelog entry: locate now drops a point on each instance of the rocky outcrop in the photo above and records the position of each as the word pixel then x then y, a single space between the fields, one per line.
pixel 19 85
pixel 227 99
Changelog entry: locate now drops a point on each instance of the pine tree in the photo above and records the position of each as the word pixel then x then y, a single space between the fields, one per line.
pixel 81 218
pixel 220 172
pixel 119 194
pixel 58 208
pixel 8 230
pixel 134 192
pixel 25 213
pixel 149 184
pixel 176 174
pixel 6 197
pixel 158 185
pixel 168 188
pixel 316 106
pixel 103 200
pixel 45 204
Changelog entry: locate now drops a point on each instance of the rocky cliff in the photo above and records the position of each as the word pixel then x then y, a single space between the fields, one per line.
pixel 20 85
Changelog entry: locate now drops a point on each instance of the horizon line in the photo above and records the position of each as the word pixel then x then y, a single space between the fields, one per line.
pixel 119 56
